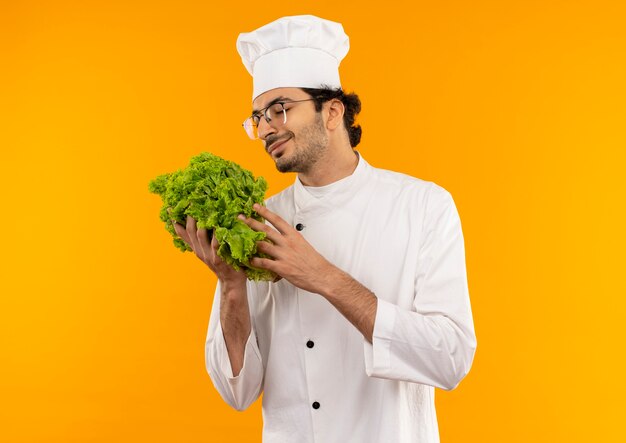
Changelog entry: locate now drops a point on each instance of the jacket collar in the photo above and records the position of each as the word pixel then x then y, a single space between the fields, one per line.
pixel 332 195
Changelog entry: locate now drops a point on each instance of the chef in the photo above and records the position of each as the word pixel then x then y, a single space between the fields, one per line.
pixel 370 311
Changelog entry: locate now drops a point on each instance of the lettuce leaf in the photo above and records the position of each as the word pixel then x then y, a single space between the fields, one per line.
pixel 215 191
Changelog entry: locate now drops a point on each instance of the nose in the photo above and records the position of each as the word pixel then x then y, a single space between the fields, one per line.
pixel 264 128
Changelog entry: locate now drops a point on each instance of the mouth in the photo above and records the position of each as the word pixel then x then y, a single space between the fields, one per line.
pixel 276 145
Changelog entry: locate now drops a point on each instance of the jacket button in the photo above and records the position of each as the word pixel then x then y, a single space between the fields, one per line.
pixel 316 405
pixel 310 344
pixel 299 227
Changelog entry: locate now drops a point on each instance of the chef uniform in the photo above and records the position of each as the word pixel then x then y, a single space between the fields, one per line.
pixel 397 235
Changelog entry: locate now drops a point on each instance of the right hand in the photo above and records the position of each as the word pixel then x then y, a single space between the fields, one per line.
pixel 206 250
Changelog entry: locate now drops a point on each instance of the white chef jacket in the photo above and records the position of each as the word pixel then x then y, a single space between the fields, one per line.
pixel 322 381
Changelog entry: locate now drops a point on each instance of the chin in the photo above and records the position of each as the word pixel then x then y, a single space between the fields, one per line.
pixel 284 164
pixel 285 167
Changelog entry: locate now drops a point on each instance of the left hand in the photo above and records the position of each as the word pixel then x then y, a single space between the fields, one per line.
pixel 293 257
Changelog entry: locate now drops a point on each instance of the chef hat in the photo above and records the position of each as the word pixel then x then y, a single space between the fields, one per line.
pixel 300 51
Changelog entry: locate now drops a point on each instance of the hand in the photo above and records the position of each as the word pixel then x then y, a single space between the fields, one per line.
pixel 293 258
pixel 205 247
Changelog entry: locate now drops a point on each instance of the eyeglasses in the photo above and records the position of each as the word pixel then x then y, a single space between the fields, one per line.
pixel 272 115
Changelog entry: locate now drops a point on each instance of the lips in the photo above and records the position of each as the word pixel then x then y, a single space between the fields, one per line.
pixel 276 144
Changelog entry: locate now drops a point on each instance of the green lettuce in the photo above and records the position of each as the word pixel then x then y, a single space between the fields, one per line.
pixel 215 191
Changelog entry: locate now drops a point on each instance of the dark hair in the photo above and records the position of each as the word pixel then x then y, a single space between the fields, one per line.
pixel 350 101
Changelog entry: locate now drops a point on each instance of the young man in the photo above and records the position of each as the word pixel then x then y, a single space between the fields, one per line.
pixel 371 309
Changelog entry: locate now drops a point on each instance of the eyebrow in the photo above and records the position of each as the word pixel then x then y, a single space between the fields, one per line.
pixel 276 100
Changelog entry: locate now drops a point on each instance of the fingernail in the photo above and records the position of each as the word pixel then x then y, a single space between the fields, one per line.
pixel 241 217
pixel 256 206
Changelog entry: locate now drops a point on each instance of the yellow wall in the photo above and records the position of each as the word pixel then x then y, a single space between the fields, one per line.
pixel 516 107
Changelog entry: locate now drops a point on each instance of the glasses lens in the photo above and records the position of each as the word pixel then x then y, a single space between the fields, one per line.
pixel 274 115
pixel 251 128
pixel 277 114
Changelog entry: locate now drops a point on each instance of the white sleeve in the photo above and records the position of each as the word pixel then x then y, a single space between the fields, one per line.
pixel 240 391
pixel 433 343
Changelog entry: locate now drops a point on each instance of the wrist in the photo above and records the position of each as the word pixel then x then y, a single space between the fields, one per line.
pixel 233 288
pixel 333 278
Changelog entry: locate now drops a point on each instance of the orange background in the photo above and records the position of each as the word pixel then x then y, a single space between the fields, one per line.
pixel 516 107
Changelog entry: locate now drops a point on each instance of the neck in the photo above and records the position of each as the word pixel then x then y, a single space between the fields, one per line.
pixel 339 162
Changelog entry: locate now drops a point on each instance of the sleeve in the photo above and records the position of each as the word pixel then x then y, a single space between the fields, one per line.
pixel 433 343
pixel 240 391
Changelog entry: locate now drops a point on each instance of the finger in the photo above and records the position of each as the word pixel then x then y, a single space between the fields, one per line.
pixel 256 225
pixel 180 231
pixel 214 246
pixel 265 263
pixel 268 248
pixel 281 225
pixel 204 242
pixel 192 233
pixel 178 228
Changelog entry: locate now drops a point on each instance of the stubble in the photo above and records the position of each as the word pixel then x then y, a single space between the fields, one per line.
pixel 309 146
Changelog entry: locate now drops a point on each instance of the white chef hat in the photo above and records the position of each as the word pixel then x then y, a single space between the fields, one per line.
pixel 301 51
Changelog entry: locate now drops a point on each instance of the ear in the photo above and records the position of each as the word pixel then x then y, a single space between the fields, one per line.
pixel 335 114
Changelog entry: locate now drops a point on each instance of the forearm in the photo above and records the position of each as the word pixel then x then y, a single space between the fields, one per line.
pixel 235 321
pixel 355 302
pixel 243 387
